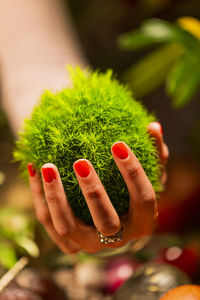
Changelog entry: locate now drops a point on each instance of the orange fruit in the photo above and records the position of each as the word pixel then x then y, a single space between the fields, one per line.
pixel 183 292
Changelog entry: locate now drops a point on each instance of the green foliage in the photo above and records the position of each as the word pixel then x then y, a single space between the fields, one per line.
pixel 7 255
pixel 155 31
pixel 83 122
pixel 16 236
pixel 151 71
pixel 176 61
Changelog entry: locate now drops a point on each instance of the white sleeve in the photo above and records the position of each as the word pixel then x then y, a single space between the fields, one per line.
pixel 37 41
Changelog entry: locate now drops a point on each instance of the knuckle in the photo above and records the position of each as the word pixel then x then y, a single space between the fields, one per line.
pixel 166 149
pixel 164 155
pixel 43 217
pixel 133 171
pixel 94 192
pixel 65 231
pixel 53 198
pixel 148 197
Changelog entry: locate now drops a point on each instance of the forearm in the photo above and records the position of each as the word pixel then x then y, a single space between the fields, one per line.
pixel 36 43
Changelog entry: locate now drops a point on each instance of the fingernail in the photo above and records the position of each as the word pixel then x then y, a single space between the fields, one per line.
pixel 82 167
pixel 120 150
pixel 31 169
pixel 161 130
pixel 48 174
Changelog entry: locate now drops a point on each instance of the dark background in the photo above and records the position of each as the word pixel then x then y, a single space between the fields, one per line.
pixel 100 22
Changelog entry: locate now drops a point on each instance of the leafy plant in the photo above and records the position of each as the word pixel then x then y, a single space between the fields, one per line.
pixel 83 122
pixel 16 236
pixel 176 60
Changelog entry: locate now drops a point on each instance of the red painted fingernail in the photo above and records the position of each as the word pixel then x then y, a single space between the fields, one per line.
pixel 161 130
pixel 48 174
pixel 120 150
pixel 31 169
pixel 82 167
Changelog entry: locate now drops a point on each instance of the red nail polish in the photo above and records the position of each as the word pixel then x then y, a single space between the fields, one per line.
pixel 48 174
pixel 82 167
pixel 120 150
pixel 31 169
pixel 161 130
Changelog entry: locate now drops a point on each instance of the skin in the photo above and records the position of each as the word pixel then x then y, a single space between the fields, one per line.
pixel 72 235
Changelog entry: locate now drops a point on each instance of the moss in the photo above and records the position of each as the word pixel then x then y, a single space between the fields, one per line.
pixel 83 122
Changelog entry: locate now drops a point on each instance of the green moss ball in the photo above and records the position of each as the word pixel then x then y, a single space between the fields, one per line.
pixel 83 121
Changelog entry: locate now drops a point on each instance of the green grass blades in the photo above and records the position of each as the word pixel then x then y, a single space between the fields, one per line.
pixel 84 121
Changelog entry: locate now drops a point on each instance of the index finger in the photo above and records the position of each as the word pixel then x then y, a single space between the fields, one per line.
pixel 155 130
pixel 142 208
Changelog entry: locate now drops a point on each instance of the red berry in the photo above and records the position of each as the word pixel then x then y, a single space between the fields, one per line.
pixel 117 271
pixel 185 259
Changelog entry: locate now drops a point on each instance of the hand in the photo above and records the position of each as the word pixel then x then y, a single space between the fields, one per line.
pixel 68 232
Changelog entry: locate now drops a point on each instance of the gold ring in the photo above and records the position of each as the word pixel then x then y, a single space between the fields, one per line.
pixel 112 238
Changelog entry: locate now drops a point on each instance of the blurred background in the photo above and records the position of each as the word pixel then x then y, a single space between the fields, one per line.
pixel 154 47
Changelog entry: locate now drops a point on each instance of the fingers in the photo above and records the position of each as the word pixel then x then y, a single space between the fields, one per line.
pixel 142 196
pixel 69 233
pixel 103 213
pixel 55 214
pixel 43 214
pixel 60 210
pixel 42 211
pixel 155 130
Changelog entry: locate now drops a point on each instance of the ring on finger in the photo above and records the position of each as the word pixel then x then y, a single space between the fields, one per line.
pixel 112 238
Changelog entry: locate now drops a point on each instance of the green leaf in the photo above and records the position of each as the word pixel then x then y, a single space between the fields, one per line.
pixel 7 255
pixel 151 71
pixel 135 40
pixel 155 31
pixel 164 31
pixel 177 74
pixel 188 86
pixel 29 245
pixel 14 222
pixel 184 78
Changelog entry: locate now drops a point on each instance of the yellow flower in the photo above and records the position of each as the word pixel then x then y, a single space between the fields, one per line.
pixel 190 24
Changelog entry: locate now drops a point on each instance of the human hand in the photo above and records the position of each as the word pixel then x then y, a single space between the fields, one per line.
pixel 68 232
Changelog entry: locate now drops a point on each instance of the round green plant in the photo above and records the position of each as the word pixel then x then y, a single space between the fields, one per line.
pixel 83 121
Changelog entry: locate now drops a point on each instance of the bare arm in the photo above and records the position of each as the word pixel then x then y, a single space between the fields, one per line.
pixel 37 40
